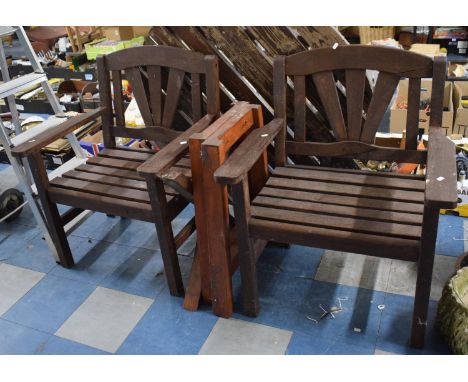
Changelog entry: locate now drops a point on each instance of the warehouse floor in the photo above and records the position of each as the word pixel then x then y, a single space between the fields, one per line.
pixel 115 300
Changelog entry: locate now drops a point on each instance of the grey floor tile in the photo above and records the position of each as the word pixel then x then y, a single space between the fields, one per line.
pixel 402 278
pixel 105 319
pixel 241 337
pixel 15 282
pixel 383 352
pixel 354 270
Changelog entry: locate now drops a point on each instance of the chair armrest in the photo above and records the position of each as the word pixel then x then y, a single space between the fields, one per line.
pixel 165 158
pixel 246 155
pixel 441 171
pixel 46 137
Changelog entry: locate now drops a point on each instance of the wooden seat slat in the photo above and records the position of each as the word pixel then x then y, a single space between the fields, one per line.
pixel 126 154
pixel 335 239
pixel 341 200
pixel 111 171
pixel 343 223
pixel 101 203
pixel 346 189
pixel 335 210
pixel 357 178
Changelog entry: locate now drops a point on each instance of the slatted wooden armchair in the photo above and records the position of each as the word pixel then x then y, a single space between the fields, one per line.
pixel 130 182
pixel 372 213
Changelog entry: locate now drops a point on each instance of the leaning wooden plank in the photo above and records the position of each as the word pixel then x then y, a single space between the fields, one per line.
pixel 336 239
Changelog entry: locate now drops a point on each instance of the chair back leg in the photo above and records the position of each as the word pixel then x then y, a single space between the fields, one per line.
pixel 424 277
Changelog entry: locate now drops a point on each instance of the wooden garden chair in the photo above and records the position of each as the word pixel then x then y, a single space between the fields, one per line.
pixel 130 182
pixel 372 213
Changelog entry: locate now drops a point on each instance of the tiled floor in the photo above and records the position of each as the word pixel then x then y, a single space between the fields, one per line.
pixel 116 301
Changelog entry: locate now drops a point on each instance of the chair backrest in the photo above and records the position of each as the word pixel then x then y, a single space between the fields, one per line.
pixel 315 75
pixel 161 78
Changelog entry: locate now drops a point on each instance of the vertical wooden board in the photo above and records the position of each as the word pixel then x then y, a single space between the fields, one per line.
pixel 106 100
pixel 383 93
pixel 217 215
pixel 174 86
pixel 139 92
pixel 155 87
pixel 196 97
pixel 438 83
pixel 412 114
pixel 326 88
pixel 200 217
pixel 355 84
pixel 118 98
pixel 299 109
pixel 258 175
pixel 279 93
pixel 212 85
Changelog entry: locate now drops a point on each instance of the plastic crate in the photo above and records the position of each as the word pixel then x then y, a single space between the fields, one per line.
pixel 93 49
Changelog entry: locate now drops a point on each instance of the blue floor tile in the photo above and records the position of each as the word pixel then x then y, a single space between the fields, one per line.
pixel 395 328
pixel 35 254
pixel 303 344
pixel 298 260
pixel 141 274
pixel 60 346
pixel 450 227
pixel 17 339
pixel 289 302
pixel 95 260
pixel 46 306
pixel 166 328
pixel 14 239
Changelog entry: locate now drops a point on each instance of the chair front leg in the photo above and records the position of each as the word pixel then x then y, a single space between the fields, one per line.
pixel 52 215
pixel 247 259
pixel 424 276
pixel 165 235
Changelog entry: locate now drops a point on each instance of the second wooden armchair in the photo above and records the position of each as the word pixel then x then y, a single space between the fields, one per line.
pixel 379 214
pixel 136 184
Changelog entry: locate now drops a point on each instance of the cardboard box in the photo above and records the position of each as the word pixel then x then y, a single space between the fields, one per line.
pixel 141 31
pixel 462 205
pixel 118 33
pixel 430 50
pixel 460 126
pixel 398 116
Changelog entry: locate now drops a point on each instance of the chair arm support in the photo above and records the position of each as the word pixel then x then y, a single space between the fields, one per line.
pixel 244 157
pixel 50 135
pixel 441 171
pixel 164 159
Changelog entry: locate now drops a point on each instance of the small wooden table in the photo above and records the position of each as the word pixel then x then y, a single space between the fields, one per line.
pixel 215 257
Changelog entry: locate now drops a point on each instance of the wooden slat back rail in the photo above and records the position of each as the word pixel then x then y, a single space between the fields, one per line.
pixel 354 129
pixel 158 76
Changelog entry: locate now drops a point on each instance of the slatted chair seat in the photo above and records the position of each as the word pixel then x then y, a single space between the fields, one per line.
pixel 314 205
pixel 107 179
